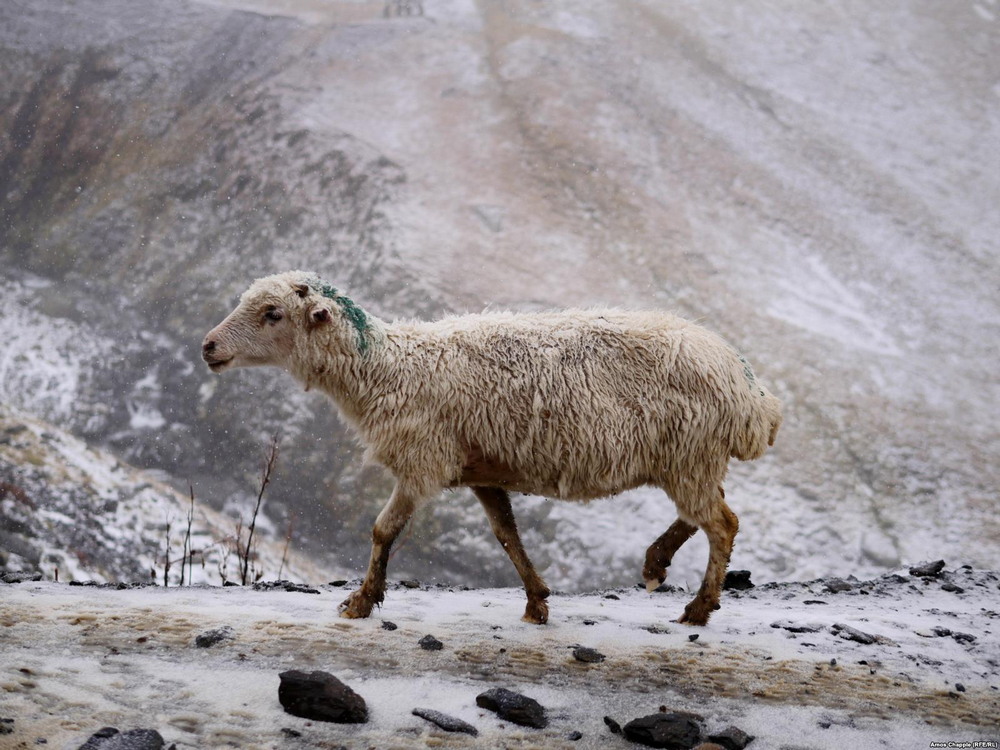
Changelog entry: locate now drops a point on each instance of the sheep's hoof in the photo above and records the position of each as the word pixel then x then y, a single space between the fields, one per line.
pixel 652 584
pixel 355 607
pixel 696 613
pixel 537 613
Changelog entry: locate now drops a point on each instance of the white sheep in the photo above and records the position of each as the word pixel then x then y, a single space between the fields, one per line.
pixel 572 405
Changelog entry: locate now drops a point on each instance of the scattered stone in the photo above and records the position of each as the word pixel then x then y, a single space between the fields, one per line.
pixel 612 596
pixel 964 637
pixel 941 632
pixel 853 634
pixel 928 570
pixel 814 601
pixel 656 630
pixel 665 588
pixel 895 578
pixel 290 733
pixel 590 622
pixel 960 687
pixel 430 643
pixel 737 580
pixel 838 585
pixel 110 738
pixel 211 637
pixel 445 722
pixel 693 637
pixel 613 725
pixel 19 577
pixel 588 655
pixel 338 583
pixel 664 730
pixel 6 726
pixel 949 586
pixel 797 627
pixel 574 736
pixel 709 746
pixel 386 625
pixel 295 588
pixel 513 707
pixel 731 738
pixel 229 583
pixel 320 696
pixel 410 584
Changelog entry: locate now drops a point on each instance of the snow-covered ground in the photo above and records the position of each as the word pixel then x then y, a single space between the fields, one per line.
pixel 75 659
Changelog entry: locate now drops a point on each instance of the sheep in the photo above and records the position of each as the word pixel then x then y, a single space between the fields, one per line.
pixel 572 405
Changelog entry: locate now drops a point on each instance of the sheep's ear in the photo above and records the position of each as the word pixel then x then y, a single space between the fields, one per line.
pixel 319 315
pixel 302 290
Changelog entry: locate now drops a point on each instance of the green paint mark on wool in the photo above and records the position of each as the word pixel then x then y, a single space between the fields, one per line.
pixel 354 314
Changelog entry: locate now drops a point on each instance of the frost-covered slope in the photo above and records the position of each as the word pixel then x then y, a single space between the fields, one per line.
pixel 814 182
pixel 70 512
pixel 895 663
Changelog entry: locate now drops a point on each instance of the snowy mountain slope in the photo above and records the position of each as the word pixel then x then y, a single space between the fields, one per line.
pixel 813 182
pixel 777 662
pixel 74 513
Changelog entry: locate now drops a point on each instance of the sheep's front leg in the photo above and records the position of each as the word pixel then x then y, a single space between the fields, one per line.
pixel 388 526
pixel 496 503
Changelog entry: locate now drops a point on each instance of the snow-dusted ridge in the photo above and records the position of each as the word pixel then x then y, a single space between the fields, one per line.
pixel 79 658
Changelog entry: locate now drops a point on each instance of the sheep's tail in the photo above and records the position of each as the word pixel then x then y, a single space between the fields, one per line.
pixel 759 417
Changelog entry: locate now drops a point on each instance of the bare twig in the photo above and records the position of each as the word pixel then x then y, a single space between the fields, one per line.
pixel 288 540
pixel 187 554
pixel 166 559
pixel 265 478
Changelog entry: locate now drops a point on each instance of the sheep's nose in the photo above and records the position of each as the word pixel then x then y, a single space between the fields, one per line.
pixel 208 347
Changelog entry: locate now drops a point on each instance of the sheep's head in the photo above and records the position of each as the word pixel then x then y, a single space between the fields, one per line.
pixel 275 314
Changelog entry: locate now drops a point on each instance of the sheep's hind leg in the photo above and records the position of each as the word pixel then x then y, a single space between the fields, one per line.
pixel 496 503
pixel 388 526
pixel 720 525
pixel 661 552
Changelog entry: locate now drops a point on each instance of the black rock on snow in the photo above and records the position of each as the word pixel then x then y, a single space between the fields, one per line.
pixel 430 643
pixel 928 570
pixel 513 707
pixel 212 637
pixel 320 696
pixel 447 723
pixel 110 738
pixel 664 730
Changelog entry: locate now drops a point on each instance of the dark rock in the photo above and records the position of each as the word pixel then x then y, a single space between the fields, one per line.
pixel 928 570
pixel 960 687
pixel 797 627
pixel 613 725
pixel 212 637
pixel 588 655
pixel 949 586
pixel 513 707
pixel 665 588
pixel 447 723
pixel 737 580
pixel 940 632
pixel 386 625
pixel 612 596
pixel 320 696
pixel 838 585
pixel 964 637
pixel 430 643
pixel 693 637
pixel 731 738
pixel 590 622
pixel 338 583
pixel 574 736
pixel 110 738
pixel 814 601
pixel 229 583
pixel 6 726
pixel 11 577
pixel 295 588
pixel 290 733
pixel 664 730
pixel 853 634
pixel 410 584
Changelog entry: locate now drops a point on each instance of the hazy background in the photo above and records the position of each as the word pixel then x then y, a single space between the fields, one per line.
pixel 818 182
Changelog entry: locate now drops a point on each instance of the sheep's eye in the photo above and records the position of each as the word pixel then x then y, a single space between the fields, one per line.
pixel 273 314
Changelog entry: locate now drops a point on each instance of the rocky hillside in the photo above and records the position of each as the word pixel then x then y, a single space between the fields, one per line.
pixel 815 183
